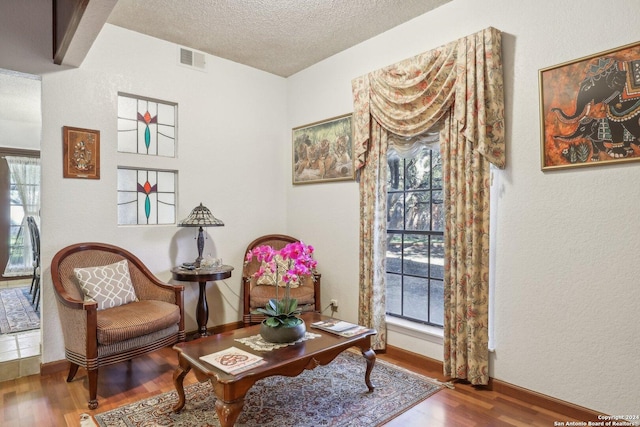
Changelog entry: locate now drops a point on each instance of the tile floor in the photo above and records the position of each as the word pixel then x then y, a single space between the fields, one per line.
pixel 20 352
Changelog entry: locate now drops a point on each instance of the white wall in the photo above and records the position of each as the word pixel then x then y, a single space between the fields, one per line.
pixel 566 277
pixel 567 289
pixel 230 131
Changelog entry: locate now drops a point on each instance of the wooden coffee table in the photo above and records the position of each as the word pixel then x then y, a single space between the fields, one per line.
pixel 288 361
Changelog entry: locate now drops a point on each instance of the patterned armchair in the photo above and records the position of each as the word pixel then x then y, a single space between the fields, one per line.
pixel 103 325
pixel 256 295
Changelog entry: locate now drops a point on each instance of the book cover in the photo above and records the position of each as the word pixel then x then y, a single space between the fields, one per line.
pixel 353 331
pixel 339 327
pixel 233 360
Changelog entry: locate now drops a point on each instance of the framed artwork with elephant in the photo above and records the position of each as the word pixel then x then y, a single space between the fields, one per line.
pixel 590 110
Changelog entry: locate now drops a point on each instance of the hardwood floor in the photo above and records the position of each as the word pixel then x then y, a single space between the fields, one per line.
pixel 49 400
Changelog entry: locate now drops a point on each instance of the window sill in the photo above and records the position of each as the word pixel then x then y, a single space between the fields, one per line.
pixel 417 330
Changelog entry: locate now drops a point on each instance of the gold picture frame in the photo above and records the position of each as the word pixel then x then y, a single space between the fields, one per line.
pixel 81 153
pixel 589 110
pixel 323 151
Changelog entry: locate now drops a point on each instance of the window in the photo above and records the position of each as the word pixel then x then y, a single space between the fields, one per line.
pixel 11 219
pixel 17 228
pixel 146 196
pixel 146 126
pixel 415 237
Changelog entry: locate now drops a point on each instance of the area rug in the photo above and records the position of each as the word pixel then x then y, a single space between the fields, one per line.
pixel 331 395
pixel 16 312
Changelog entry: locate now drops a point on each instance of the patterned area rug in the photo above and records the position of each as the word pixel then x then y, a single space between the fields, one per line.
pixel 16 312
pixel 332 395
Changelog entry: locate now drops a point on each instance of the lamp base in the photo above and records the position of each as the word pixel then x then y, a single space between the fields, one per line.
pixel 200 247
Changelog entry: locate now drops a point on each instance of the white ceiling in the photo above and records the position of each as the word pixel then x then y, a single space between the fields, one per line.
pixel 20 94
pixel 278 36
pixel 20 118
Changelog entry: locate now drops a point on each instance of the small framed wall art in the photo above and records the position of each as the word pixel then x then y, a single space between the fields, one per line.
pixel 590 110
pixel 323 151
pixel 81 153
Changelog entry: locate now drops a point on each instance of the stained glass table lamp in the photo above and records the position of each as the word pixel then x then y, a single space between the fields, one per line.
pixel 200 216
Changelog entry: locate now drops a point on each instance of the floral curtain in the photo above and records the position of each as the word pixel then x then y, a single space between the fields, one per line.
pixel 460 86
pixel 373 230
pixel 466 258
pixel 25 173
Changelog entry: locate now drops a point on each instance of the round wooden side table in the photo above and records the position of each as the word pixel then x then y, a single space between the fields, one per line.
pixel 202 276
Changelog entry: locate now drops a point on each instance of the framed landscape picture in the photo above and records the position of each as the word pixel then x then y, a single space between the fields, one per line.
pixel 81 153
pixel 590 110
pixel 323 151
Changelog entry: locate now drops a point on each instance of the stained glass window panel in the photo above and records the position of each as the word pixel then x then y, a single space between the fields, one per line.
pixel 146 126
pixel 146 197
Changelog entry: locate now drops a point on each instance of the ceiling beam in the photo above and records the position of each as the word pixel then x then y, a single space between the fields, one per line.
pixel 76 25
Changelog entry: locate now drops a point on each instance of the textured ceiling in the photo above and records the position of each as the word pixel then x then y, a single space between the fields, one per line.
pixel 20 95
pixel 278 36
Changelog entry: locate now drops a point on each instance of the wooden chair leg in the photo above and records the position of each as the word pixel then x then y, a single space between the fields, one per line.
pixel 36 295
pixel 33 281
pixel 73 369
pixel 36 290
pixel 93 388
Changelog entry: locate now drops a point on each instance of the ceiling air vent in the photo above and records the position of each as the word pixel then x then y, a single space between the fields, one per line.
pixel 191 58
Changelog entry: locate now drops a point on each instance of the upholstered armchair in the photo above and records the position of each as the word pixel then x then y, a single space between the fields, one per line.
pixel 112 308
pixel 256 295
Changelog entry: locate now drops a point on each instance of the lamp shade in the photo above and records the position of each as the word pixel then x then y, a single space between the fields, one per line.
pixel 201 216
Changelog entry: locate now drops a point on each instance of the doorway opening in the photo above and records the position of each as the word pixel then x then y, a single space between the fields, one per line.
pixel 20 134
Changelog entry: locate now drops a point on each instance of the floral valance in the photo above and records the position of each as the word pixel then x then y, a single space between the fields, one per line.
pixel 411 96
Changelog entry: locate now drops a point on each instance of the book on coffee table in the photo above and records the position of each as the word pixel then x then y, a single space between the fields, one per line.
pixel 339 327
pixel 233 360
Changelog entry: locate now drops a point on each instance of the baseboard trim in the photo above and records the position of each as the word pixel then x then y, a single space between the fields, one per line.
pixel 542 400
pixel 54 367
pixel 531 397
pixel 63 365
pixel 419 361
pixel 416 359
pixel 218 329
